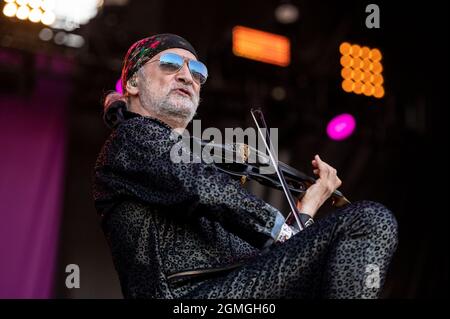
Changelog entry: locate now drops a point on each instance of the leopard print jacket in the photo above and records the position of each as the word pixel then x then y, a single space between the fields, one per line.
pixel 165 221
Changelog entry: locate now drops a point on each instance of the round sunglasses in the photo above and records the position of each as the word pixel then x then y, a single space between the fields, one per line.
pixel 172 63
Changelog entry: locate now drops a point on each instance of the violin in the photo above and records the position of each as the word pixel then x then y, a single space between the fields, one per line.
pixel 245 162
pixel 234 160
pixel 265 169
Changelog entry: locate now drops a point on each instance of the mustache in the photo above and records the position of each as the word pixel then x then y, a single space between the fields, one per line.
pixel 185 89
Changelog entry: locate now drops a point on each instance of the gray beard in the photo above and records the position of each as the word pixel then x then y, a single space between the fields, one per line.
pixel 166 107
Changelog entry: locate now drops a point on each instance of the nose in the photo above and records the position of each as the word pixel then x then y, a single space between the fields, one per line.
pixel 184 75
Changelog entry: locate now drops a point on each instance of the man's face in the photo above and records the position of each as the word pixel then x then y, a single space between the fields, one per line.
pixel 169 95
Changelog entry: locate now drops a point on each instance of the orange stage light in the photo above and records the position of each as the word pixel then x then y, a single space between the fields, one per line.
pixel 361 70
pixel 261 46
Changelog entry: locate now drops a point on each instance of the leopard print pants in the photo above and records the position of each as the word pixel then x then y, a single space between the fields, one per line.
pixel 343 255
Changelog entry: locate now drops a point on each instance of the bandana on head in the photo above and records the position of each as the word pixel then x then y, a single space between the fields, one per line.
pixel 143 50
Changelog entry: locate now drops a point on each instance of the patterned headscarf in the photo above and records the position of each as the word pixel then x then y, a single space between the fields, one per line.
pixel 143 50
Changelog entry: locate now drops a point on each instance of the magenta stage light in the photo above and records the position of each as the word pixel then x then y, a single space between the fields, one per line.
pixel 119 86
pixel 341 127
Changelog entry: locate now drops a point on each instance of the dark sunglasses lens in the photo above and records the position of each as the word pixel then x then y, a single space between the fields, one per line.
pixel 171 62
pixel 199 71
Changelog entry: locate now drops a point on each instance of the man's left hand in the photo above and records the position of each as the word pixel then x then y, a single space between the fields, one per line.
pixel 321 190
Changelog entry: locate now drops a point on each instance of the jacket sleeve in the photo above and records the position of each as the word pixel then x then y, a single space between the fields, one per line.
pixel 136 163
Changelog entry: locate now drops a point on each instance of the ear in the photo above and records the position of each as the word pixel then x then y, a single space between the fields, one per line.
pixel 132 85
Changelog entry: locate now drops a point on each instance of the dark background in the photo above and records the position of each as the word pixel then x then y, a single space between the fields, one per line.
pixel 396 156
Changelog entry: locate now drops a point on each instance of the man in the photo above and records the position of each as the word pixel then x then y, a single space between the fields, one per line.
pixel 180 230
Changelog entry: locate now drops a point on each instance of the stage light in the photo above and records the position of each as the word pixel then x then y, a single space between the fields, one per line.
pixel 376 68
pixel 35 4
pixel 119 86
pixel 377 79
pixel 368 77
pixel 355 51
pixel 57 14
pixel 367 64
pixel 48 18
pixel 77 11
pixel 345 48
pixel 35 15
pixel 375 55
pixel 341 127
pixel 348 85
pixel 358 75
pixel 48 5
pixel 365 52
pixel 22 13
pixel 379 92
pixel 368 90
pixel 10 9
pixel 74 40
pixel 361 70
pixel 278 93
pixel 347 61
pixel 261 46
pixel 46 34
pixel 286 13
pixel 358 64
pixel 358 87
pixel 347 73
pixel 60 38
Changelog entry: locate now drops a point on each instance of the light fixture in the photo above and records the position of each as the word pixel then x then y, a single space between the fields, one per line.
pixel 261 46
pixel 361 70
pixel 341 127
pixel 23 13
pixel 10 9
pixel 35 4
pixel 46 34
pixel 48 18
pixel 61 14
pixel 286 13
pixel 35 15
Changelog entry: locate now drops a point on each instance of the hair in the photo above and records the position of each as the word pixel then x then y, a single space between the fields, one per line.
pixel 114 105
